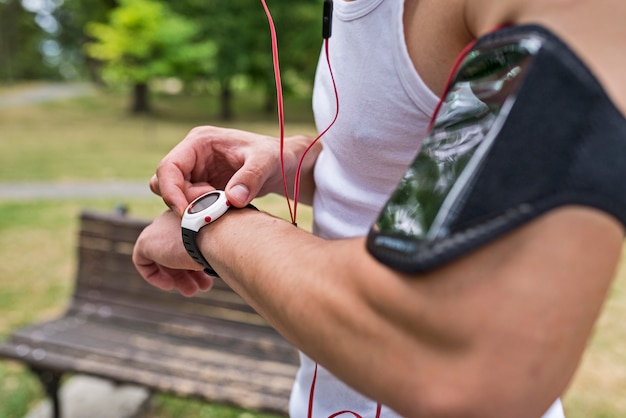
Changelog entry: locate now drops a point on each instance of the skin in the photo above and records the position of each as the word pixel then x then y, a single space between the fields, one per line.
pixel 496 333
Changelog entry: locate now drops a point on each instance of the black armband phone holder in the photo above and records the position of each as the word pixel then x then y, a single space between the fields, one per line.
pixel 525 127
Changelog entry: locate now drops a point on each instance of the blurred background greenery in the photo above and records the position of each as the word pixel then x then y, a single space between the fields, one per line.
pixel 199 46
pixel 149 71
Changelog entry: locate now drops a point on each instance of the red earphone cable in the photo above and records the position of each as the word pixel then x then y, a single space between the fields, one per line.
pixel 455 67
pixel 281 118
pixel 296 191
pixel 379 406
pixel 279 101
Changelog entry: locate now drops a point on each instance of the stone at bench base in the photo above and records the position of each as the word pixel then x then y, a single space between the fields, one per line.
pixel 86 396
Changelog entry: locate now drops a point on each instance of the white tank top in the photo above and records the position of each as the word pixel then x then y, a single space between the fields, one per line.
pixel 385 110
pixel 384 113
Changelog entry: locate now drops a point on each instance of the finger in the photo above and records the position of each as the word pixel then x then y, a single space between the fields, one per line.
pixel 187 282
pixel 204 281
pixel 239 195
pixel 170 184
pixel 186 286
pixel 190 282
pixel 155 276
pixel 194 190
pixel 247 182
pixel 154 185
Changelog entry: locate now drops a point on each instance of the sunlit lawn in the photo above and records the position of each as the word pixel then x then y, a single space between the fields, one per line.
pixel 92 138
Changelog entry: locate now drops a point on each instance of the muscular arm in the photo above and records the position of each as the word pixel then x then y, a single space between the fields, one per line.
pixel 498 333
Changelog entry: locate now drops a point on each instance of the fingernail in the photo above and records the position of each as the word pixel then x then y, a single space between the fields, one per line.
pixel 240 193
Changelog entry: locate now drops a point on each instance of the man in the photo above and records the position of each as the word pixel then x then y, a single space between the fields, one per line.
pixel 498 332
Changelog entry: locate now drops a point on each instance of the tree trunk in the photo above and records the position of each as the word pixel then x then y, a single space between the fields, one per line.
pixel 9 42
pixel 226 101
pixel 270 102
pixel 140 99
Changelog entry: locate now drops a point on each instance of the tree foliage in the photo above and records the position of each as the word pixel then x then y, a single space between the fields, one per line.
pixel 240 31
pixel 20 44
pixel 222 45
pixel 72 16
pixel 144 39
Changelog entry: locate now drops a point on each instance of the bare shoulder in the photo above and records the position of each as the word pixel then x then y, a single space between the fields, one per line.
pixel 436 32
pixel 484 15
pixel 593 29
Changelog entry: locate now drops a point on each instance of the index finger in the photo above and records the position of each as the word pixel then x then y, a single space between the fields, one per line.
pixel 169 183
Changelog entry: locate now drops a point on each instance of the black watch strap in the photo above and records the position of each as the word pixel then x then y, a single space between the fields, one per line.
pixel 191 245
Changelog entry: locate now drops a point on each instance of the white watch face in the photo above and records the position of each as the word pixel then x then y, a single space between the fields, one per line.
pixel 205 209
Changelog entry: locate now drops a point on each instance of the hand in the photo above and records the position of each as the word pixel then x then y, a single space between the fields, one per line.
pixel 160 257
pixel 243 164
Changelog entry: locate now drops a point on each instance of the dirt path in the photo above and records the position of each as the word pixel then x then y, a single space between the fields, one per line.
pixel 73 190
pixel 45 92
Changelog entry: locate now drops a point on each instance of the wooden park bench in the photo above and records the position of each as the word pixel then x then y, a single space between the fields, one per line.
pixel 213 346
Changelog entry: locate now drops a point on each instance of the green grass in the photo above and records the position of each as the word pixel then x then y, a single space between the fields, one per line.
pixel 599 387
pixel 171 407
pixel 93 138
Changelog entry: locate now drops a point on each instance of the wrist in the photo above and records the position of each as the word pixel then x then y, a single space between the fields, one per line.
pixel 218 240
pixel 201 212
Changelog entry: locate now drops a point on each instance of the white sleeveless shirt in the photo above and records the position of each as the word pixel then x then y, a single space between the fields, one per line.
pixel 384 113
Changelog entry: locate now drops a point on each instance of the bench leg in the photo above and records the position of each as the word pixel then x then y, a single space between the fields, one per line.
pixel 51 382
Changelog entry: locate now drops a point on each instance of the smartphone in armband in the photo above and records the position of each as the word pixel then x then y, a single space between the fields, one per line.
pixel 524 127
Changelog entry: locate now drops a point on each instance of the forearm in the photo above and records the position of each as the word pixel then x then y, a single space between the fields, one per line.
pixel 507 324
pixel 313 291
pixel 266 260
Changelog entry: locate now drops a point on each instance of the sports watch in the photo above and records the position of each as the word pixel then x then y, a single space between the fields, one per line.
pixel 202 211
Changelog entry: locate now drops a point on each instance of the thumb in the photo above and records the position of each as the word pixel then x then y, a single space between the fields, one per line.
pixel 243 187
pixel 239 195
pixel 246 184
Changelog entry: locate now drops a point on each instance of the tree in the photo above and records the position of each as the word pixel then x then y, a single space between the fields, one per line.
pixel 299 30
pixel 239 30
pixel 20 44
pixel 73 16
pixel 144 39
